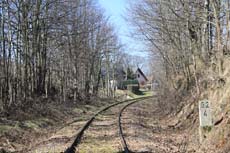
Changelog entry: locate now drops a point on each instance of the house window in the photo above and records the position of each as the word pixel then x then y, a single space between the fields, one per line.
pixel 138 75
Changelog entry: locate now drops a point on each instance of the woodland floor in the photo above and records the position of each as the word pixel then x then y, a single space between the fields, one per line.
pixel 22 130
pixel 147 127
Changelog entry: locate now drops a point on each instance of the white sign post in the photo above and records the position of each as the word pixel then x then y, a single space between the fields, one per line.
pixel 205 113
pixel 205 117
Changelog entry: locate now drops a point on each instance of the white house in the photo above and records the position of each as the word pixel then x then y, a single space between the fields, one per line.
pixel 142 79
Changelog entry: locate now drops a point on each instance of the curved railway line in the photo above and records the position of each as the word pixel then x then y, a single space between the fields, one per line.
pixel 77 141
pixel 124 143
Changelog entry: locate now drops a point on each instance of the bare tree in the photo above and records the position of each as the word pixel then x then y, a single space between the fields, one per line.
pixel 52 47
pixel 188 35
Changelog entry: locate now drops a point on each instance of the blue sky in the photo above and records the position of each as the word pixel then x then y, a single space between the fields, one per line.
pixel 116 10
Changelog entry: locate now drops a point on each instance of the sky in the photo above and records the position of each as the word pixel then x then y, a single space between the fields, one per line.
pixel 116 10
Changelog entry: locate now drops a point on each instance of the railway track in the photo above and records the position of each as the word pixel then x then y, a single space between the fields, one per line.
pixel 77 141
pixel 124 143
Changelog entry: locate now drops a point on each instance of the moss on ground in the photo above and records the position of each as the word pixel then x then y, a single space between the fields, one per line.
pixel 38 123
pixel 141 94
pixel 5 128
pixel 94 147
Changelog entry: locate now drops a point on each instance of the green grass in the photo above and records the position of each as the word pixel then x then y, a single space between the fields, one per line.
pixel 207 128
pixel 36 125
pixel 94 146
pixel 147 93
pixel 120 92
pixel 78 110
pixel 5 128
pixel 140 94
pixel 31 124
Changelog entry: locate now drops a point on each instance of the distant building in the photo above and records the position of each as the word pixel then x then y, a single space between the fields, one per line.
pixel 142 79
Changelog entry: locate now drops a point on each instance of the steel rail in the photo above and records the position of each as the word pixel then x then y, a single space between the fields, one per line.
pixel 77 140
pixel 124 143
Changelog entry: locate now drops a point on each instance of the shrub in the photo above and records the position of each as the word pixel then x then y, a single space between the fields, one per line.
pixel 129 82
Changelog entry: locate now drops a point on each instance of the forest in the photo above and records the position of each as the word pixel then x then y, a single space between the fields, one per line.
pixel 68 51
pixel 53 48
pixel 189 41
